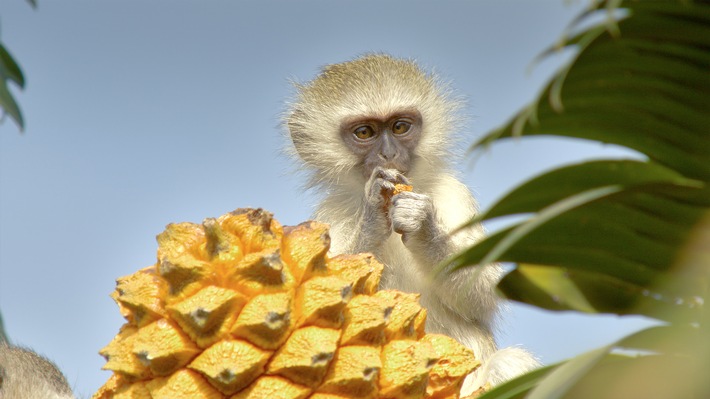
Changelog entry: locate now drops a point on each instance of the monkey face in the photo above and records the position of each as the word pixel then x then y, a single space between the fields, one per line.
pixel 374 111
pixel 388 141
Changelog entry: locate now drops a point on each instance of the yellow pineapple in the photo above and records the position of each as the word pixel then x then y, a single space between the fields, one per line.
pixel 240 307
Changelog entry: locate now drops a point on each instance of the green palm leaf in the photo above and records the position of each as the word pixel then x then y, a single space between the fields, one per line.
pixel 645 89
pixel 623 237
pixel 10 72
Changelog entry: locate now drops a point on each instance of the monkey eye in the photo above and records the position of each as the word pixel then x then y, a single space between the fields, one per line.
pixel 401 127
pixel 364 132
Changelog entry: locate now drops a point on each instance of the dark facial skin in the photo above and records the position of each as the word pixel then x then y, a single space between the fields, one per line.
pixel 388 142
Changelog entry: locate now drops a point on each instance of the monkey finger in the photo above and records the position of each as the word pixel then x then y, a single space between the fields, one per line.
pixel 385 187
pixel 402 179
pixel 378 194
pixel 376 183
pixel 397 177
pixel 386 191
pixel 408 213
pixel 410 210
pixel 403 224
pixel 378 172
pixel 391 175
pixel 408 199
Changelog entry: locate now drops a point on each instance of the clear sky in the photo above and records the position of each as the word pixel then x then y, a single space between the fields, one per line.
pixel 142 113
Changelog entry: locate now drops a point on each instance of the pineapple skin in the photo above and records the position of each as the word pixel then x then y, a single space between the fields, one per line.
pixel 241 307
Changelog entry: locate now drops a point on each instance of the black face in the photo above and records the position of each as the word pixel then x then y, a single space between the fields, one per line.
pixel 388 142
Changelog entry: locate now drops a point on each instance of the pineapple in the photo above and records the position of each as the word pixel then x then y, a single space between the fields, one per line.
pixel 240 307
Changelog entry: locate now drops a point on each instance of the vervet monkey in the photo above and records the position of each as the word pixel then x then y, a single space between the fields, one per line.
pixel 360 128
pixel 27 375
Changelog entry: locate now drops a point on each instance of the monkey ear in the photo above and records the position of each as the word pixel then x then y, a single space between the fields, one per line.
pixel 292 122
pixel 297 131
pixel 296 128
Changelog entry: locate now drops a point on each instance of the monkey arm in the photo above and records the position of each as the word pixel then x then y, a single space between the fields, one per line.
pixel 427 233
pixel 372 232
pixel 416 218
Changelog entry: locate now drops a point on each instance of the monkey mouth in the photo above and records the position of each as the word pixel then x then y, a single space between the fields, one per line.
pixel 368 169
pixel 396 167
pixel 391 164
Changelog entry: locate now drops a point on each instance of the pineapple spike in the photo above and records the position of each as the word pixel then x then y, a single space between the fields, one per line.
pixel 217 241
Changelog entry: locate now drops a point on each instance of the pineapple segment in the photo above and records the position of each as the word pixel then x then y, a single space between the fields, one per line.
pixel 321 395
pixel 366 318
pixel 447 375
pixel 362 269
pixel 273 388
pixel 207 315
pixel 231 365
pixel 305 247
pixel 261 272
pixel 241 308
pixel 321 300
pixel 118 387
pixel 119 354
pixel 405 369
pixel 354 372
pixel 163 348
pixel 407 319
pixel 140 297
pixel 305 357
pixel 182 384
pixel 266 320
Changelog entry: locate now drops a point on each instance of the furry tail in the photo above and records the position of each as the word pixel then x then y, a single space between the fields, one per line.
pixel 504 365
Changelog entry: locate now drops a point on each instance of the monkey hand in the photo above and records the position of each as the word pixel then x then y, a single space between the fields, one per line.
pixel 375 224
pixel 412 216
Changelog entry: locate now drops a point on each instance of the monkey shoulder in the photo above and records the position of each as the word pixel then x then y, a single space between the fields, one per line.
pixel 453 201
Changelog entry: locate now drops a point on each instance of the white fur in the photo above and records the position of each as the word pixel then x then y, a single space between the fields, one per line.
pixel 462 304
pixel 27 375
pixel 499 368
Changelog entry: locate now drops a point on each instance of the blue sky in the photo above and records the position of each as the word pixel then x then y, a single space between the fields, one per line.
pixel 139 114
